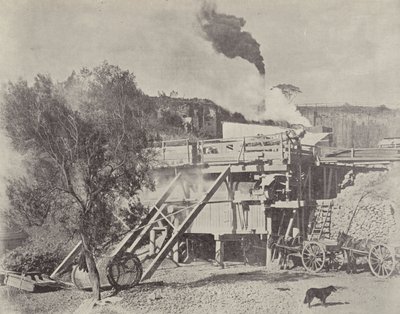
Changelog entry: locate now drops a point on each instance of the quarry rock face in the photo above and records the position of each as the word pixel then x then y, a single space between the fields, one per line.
pixel 376 199
pixel 354 126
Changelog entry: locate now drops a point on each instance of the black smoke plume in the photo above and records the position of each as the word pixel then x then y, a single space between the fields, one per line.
pixel 224 31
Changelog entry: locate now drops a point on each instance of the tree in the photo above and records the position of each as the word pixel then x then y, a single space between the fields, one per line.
pixel 288 90
pixel 88 145
pixel 170 118
pixel 238 117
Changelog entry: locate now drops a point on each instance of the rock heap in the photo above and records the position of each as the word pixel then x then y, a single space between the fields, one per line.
pixel 375 196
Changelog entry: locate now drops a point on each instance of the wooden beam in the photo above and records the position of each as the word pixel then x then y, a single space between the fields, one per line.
pixel 283 214
pixel 68 260
pixel 287 186
pixel 328 192
pixel 184 226
pixel 147 222
pixel 290 225
pixel 219 252
pixel 268 229
pixel 309 183
pixel 300 184
pixel 296 230
pixel 336 182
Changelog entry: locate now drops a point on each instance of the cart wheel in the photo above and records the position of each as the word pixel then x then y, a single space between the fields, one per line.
pixel 124 272
pixel 381 260
pixel 336 260
pixel 313 256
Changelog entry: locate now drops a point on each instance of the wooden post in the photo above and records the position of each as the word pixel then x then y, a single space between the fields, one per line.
pixel 231 192
pixel 336 182
pixel 152 244
pixel 300 185
pixel 303 222
pixel 188 151
pixel 283 214
pixel 324 168
pixel 201 144
pixel 244 149
pixel 289 228
pixel 287 186
pixel 328 192
pixel 234 207
pixel 296 229
pixel 175 249
pixel 219 251
pixel 268 214
pixel 163 149
pixel 309 184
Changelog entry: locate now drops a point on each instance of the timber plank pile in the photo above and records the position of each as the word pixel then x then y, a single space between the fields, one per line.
pixel 30 281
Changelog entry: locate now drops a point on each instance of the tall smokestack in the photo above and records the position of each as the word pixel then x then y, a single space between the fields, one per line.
pixel 224 31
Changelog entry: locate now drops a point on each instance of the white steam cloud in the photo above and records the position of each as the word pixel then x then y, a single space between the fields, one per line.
pixel 280 108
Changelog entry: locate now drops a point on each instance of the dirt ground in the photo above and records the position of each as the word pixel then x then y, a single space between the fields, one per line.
pixel 203 288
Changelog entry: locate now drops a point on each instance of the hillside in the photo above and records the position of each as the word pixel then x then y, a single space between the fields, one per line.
pixel 183 117
pixel 354 126
pixel 177 118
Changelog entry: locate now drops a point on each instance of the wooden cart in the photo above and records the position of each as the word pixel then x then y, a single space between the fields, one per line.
pixel 382 258
pixel 316 255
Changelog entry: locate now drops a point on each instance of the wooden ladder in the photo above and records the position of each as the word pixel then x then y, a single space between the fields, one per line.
pixel 322 221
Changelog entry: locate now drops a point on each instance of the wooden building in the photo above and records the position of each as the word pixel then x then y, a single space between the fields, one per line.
pixel 236 190
pixel 269 190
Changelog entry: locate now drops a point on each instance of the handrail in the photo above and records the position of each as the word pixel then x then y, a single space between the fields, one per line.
pixel 234 139
pixel 242 149
pixel 277 146
pixel 160 143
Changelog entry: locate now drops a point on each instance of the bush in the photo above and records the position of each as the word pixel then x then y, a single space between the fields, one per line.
pixel 170 118
pixel 45 249
pixel 28 258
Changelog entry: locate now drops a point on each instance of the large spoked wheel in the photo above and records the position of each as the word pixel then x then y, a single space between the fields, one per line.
pixel 381 261
pixel 313 256
pixel 124 272
pixel 336 260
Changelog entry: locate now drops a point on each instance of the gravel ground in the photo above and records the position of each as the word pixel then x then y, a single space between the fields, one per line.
pixel 203 288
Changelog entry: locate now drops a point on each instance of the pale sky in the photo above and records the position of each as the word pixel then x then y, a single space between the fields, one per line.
pixel 335 51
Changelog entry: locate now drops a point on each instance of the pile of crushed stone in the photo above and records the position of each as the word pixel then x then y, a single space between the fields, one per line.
pixel 376 199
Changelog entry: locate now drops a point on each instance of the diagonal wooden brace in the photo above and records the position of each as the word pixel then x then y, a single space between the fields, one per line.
pixel 185 225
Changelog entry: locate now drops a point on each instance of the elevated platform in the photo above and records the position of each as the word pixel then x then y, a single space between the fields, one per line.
pixel 264 153
pixel 358 156
pixel 248 154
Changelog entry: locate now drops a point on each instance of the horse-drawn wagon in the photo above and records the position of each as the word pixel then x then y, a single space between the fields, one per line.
pixel 382 258
pixel 331 254
pixel 314 255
